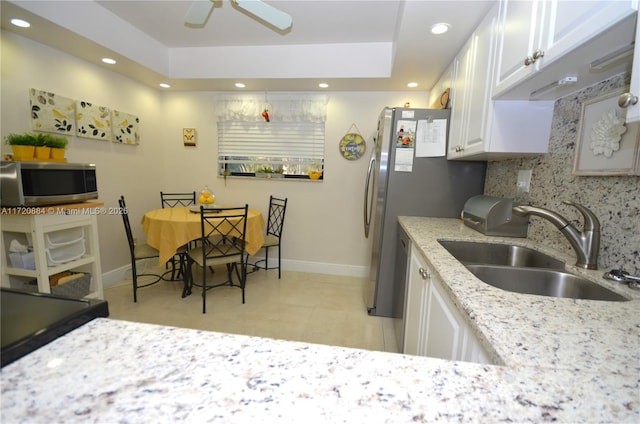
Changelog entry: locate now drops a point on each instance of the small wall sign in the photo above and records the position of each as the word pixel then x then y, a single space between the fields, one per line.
pixel 189 136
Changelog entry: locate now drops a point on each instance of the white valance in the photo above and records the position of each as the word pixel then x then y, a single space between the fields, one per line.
pixel 282 107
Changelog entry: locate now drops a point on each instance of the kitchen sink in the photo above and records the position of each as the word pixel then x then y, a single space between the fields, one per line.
pixel 499 254
pixel 542 282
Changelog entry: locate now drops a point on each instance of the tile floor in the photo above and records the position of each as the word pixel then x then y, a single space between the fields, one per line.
pixel 314 308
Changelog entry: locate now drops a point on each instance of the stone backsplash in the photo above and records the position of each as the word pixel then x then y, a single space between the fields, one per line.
pixel 614 199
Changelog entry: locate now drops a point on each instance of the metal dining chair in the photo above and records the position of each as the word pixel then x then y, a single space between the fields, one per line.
pixel 172 200
pixel 137 251
pixel 222 242
pixel 273 237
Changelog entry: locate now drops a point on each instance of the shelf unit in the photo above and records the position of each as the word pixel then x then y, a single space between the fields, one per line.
pixel 29 227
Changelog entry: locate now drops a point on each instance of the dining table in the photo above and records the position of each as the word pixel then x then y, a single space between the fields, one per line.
pixel 168 229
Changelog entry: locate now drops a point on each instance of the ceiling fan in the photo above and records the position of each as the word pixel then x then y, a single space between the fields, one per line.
pixel 200 10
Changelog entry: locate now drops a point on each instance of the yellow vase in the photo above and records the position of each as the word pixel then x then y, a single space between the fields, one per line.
pixel 23 152
pixel 57 153
pixel 43 152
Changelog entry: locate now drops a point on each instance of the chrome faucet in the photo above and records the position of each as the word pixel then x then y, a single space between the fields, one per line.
pixel 586 243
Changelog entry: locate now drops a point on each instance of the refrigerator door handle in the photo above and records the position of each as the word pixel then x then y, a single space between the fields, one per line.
pixel 368 203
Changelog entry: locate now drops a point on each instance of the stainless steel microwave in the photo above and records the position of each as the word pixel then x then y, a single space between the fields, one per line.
pixel 46 183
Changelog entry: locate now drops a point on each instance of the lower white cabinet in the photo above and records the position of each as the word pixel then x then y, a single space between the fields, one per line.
pixel 433 325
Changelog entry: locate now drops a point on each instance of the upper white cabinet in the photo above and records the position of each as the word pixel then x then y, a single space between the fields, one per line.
pixel 481 129
pixel 562 38
pixel 631 100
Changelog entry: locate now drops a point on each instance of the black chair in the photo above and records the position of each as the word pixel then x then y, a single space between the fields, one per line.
pixel 273 237
pixel 171 200
pixel 137 251
pixel 222 242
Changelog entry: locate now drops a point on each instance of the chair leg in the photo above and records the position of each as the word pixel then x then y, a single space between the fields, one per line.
pixel 187 279
pixel 134 277
pixel 279 263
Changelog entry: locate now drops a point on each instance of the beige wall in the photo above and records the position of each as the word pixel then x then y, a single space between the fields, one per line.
pixel 323 230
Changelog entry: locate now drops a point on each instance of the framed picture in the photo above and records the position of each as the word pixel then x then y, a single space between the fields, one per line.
pixel 606 144
pixel 189 137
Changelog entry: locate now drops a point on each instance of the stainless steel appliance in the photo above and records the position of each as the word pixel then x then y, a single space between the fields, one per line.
pixel 46 183
pixel 402 182
pixel 493 216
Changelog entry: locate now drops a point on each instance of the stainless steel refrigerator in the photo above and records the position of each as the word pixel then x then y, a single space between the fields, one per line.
pixel 409 175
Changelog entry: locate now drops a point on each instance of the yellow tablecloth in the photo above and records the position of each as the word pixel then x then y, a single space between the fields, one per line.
pixel 169 228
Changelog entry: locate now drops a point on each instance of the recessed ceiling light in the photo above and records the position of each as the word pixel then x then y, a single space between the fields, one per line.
pixel 20 23
pixel 412 84
pixel 323 85
pixel 240 85
pixel 164 85
pixel 439 28
pixel 108 60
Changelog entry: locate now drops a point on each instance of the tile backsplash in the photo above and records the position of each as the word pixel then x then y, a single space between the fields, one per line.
pixel 614 199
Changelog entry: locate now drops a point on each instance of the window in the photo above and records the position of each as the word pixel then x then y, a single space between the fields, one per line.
pixel 290 144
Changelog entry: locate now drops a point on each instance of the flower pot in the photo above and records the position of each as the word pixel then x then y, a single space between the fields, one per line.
pixel 57 154
pixel 43 152
pixel 21 152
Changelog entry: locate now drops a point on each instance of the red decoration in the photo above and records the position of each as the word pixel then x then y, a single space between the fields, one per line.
pixel 265 115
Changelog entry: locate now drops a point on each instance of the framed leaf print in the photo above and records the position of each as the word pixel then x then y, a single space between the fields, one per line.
pixel 51 112
pixel 93 121
pixel 125 127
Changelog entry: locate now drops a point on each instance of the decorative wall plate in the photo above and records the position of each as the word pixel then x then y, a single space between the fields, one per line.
pixel 352 146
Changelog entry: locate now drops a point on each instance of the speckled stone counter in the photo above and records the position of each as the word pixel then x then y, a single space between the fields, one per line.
pixel 564 360
pixel 111 371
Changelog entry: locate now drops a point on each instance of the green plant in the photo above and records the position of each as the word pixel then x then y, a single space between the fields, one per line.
pixel 55 142
pixel 265 169
pixel 26 139
pixel 279 171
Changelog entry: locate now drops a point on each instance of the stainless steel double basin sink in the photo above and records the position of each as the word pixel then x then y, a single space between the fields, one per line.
pixel 522 270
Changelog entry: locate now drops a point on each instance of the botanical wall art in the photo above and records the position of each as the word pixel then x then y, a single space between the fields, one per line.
pixel 606 144
pixel 125 127
pixel 93 121
pixel 51 112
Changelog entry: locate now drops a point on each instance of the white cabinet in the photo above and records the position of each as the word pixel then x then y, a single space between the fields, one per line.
pixel 433 325
pixel 483 129
pixel 534 34
pixel 415 313
pixel 632 97
pixel 65 243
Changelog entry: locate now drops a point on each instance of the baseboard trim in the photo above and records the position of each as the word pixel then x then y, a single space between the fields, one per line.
pixel 110 278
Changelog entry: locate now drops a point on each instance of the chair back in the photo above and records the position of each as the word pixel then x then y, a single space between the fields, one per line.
pixel 172 200
pixel 223 232
pixel 275 221
pixel 127 225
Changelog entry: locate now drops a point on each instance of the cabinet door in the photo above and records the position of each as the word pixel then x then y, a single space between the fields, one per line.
pixel 518 25
pixel 472 109
pixel 633 110
pixel 416 304
pixel 445 328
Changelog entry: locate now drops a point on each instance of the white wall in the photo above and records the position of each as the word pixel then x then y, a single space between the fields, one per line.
pixel 323 230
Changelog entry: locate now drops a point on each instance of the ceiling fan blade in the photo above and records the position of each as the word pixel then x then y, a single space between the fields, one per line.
pixel 270 14
pixel 198 12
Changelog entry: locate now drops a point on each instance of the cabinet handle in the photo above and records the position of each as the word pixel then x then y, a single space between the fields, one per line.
pixel 537 54
pixel 459 149
pixel 423 273
pixel 627 99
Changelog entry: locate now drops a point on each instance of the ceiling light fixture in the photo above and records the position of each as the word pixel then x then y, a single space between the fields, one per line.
pixel 20 23
pixel 165 85
pixel 323 85
pixel 412 85
pixel 439 28
pixel 240 85
pixel 108 61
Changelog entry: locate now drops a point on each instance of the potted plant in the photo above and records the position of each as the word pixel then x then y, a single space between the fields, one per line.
pixel 23 146
pixel 42 150
pixel 58 145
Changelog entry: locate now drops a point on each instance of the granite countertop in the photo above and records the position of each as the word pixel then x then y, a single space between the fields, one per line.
pixel 566 361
